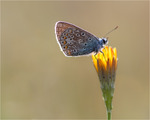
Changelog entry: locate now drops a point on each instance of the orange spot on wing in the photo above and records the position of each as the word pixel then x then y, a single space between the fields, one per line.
pixel 69 52
pixel 66 47
pixel 65 42
pixel 65 38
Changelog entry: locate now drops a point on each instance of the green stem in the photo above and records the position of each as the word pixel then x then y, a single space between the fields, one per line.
pixel 108 91
pixel 108 115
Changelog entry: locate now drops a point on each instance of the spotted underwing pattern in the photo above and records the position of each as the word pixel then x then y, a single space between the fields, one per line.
pixel 74 41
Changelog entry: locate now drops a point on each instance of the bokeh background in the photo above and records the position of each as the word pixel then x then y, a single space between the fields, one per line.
pixel 38 81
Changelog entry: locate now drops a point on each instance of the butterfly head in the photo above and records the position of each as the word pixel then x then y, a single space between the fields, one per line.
pixel 104 41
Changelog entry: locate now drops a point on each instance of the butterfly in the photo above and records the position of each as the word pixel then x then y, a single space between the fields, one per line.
pixel 75 41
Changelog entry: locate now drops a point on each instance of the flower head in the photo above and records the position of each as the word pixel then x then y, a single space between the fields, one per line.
pixel 105 63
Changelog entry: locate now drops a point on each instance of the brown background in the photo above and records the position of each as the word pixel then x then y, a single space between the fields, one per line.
pixel 38 81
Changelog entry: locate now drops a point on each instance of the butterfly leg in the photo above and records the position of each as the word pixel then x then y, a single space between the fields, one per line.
pixel 104 48
pixel 95 56
pixel 103 54
pixel 95 53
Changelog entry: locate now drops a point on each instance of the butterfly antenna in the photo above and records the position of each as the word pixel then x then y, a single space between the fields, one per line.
pixel 110 31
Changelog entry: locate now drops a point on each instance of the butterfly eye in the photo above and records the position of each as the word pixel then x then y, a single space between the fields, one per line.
pixel 104 41
pixel 82 33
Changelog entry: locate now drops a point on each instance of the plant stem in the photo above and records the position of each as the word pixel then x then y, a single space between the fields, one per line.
pixel 108 91
pixel 108 115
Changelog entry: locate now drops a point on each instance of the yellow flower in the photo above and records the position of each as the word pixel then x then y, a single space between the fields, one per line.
pixel 105 63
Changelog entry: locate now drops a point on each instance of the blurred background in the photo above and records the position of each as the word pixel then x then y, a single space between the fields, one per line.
pixel 38 81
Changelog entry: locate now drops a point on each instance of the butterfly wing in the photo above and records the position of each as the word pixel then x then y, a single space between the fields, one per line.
pixel 73 40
